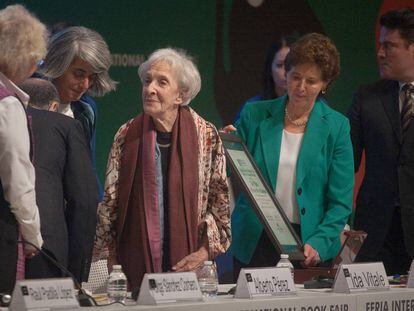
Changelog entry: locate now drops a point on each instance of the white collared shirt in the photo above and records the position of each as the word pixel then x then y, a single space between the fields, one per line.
pixel 17 173
pixel 66 109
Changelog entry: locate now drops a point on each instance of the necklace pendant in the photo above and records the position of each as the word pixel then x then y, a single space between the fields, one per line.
pixel 294 122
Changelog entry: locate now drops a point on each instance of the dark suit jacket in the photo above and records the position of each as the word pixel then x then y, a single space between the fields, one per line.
pixel 66 189
pixel 389 174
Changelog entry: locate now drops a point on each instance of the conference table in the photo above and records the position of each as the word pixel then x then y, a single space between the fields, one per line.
pixel 394 299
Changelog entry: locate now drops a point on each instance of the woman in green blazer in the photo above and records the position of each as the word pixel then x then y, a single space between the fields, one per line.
pixel 303 149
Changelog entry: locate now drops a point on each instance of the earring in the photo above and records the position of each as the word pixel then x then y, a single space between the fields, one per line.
pixel 323 92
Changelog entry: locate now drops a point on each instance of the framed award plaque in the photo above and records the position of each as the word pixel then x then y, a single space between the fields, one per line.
pixel 262 198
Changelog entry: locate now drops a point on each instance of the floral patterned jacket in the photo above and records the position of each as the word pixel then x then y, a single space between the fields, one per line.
pixel 213 197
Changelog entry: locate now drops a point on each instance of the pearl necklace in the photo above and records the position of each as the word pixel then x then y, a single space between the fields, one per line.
pixel 295 123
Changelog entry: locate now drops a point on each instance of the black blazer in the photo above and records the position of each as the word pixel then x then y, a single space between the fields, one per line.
pixel 66 189
pixel 389 175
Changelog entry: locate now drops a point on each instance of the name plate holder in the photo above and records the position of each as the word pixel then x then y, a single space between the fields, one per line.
pixel 158 288
pixel 410 280
pixel 351 278
pixel 44 294
pixel 264 282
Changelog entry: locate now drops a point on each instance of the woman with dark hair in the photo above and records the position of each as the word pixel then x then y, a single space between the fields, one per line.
pixel 303 150
pixel 274 75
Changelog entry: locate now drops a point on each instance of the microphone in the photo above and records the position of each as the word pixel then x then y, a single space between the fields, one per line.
pixel 5 300
pixel 85 300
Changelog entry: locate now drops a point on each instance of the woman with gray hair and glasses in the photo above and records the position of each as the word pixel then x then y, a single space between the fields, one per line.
pixel 166 203
pixel 77 62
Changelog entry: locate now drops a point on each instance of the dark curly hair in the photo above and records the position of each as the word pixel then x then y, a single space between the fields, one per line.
pixel 317 49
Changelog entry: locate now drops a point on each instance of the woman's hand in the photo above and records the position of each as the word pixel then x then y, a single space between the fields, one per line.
pixel 30 251
pixel 311 256
pixel 228 129
pixel 192 261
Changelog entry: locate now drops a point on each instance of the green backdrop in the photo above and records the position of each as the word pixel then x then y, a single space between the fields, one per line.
pixel 135 28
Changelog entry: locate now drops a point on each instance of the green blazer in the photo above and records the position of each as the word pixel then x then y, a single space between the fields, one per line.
pixel 324 175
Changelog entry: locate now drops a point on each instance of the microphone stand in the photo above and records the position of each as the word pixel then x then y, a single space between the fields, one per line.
pixel 85 300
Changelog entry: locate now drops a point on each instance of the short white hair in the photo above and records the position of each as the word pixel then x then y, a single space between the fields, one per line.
pixel 183 67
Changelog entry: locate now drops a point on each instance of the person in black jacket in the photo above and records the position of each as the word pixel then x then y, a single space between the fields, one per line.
pixel 382 126
pixel 66 187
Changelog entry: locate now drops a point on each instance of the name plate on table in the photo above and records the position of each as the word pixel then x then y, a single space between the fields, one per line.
pixel 169 287
pixel 410 280
pixel 263 282
pixel 44 294
pixel 361 277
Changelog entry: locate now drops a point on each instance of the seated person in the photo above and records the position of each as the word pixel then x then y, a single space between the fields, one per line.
pixel 166 203
pixel 303 150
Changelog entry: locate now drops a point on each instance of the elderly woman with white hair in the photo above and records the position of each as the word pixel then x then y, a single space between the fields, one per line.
pixel 22 45
pixel 77 62
pixel 166 203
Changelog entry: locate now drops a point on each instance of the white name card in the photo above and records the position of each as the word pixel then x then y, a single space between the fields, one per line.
pixel 361 277
pixel 410 280
pixel 169 287
pixel 262 282
pixel 44 294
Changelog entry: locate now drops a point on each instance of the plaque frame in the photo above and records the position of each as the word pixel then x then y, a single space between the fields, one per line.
pixel 295 250
pixel 350 248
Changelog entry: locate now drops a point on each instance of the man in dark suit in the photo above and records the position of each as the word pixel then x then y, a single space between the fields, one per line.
pixel 381 124
pixel 66 188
